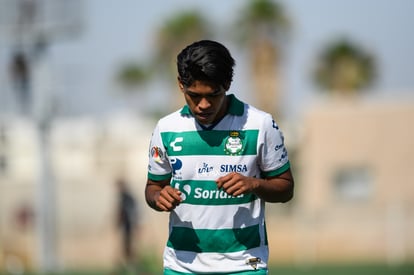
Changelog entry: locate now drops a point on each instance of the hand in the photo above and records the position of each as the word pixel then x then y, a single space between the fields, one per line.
pixel 167 198
pixel 236 184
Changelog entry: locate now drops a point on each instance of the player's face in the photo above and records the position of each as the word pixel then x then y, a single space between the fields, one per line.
pixel 208 104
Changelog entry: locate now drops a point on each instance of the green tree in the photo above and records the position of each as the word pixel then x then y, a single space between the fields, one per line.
pixel 262 28
pixel 132 75
pixel 344 68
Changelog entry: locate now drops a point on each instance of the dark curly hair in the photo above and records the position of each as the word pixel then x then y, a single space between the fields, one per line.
pixel 206 61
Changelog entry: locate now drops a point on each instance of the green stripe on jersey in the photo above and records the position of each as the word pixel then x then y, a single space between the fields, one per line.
pixel 252 272
pixel 207 193
pixel 276 172
pixel 158 177
pixel 214 240
pixel 207 142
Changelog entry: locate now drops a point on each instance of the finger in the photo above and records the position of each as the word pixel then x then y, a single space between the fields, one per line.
pixel 167 205
pixel 176 195
pixel 232 179
pixel 163 205
pixel 170 198
pixel 170 193
pixel 233 188
pixel 222 180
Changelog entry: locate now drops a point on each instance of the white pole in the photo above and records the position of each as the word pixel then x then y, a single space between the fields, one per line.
pixel 46 195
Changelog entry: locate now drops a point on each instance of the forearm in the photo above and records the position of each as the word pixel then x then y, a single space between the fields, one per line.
pixel 160 196
pixel 274 189
pixel 151 193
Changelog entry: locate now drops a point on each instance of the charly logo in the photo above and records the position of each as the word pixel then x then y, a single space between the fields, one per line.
pixel 234 144
pixel 174 146
pixel 157 154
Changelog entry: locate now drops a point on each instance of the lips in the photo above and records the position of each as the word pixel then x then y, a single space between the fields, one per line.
pixel 204 116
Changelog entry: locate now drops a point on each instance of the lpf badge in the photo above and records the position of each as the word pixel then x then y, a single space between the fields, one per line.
pixel 234 144
pixel 157 154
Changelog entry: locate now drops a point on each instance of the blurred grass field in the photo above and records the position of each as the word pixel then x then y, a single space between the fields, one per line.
pixel 360 269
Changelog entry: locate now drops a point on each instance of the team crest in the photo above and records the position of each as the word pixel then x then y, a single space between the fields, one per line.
pixel 234 144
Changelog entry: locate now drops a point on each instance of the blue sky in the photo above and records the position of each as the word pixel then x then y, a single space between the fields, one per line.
pixel 114 33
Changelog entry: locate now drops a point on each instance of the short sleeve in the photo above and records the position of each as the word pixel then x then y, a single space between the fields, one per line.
pixel 272 153
pixel 158 165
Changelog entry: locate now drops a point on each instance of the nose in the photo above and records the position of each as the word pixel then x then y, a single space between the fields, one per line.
pixel 204 103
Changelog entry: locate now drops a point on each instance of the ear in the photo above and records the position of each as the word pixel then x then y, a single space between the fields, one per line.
pixel 180 84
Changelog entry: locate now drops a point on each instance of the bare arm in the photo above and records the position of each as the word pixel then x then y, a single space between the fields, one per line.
pixel 273 189
pixel 161 196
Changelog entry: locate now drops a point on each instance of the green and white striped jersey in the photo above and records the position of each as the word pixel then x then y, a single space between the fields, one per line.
pixel 211 231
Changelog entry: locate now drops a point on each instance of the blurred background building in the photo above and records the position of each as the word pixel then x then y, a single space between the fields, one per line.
pixel 82 84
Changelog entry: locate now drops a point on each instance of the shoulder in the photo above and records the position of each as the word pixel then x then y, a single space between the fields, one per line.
pixel 174 121
pixel 257 116
pixel 254 111
pixel 170 118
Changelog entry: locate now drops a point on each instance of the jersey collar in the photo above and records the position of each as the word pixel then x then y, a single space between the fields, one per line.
pixel 236 107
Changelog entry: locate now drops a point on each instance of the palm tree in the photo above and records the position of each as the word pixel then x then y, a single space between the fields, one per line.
pixel 177 32
pixel 261 28
pixel 344 68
